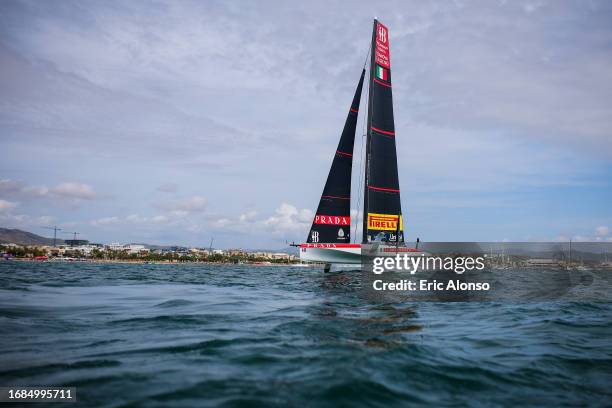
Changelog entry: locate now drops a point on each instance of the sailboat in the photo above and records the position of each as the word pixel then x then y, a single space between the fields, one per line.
pixel 329 238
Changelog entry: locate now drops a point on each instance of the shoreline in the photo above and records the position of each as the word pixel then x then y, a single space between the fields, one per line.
pixel 130 261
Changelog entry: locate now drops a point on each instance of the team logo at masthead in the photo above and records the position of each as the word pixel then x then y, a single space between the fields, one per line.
pixel 382 34
pixel 381 49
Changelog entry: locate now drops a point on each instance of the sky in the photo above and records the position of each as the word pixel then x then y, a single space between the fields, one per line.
pixel 177 122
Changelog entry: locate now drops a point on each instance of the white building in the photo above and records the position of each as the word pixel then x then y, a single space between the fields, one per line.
pixel 83 249
pixel 280 255
pixel 135 248
pixel 115 246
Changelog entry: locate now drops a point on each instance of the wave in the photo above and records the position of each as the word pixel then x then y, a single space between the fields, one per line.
pixel 55 367
pixel 175 303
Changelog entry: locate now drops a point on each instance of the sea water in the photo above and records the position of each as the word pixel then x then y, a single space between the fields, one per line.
pixel 223 335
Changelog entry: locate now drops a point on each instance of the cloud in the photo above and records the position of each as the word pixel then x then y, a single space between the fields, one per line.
pixel 518 66
pixel 158 219
pixel 588 238
pixel 44 220
pixel 168 188
pixel 602 231
pixel 76 191
pixel 287 218
pixel 286 221
pixel 8 219
pixel 225 223
pixel 9 187
pixel 105 221
pixel 66 191
pixel 135 218
pixel 248 216
pixel 131 219
pixel 602 234
pixel 184 206
pixel 497 97
pixel 6 205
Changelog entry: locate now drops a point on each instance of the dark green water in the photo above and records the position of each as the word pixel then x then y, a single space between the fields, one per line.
pixel 200 335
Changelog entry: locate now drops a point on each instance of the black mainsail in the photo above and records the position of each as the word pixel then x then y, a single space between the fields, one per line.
pixel 382 206
pixel 332 222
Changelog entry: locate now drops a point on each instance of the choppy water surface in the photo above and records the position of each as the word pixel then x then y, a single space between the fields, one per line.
pixel 198 335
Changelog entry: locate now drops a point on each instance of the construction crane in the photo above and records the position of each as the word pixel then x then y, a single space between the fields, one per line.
pixel 55 229
pixel 74 236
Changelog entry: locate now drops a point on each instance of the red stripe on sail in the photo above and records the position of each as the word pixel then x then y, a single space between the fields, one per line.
pixel 339 198
pixel 354 110
pixel 382 83
pixel 344 154
pixel 392 190
pixel 384 132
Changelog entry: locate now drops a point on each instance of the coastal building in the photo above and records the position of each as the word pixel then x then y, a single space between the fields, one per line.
pixel 114 246
pixel 281 255
pixel 76 242
pixel 10 245
pixel 135 249
pixel 85 249
pixel 200 252
pixel 273 255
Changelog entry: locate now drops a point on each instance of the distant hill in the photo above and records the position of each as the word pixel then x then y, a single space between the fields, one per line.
pixel 16 236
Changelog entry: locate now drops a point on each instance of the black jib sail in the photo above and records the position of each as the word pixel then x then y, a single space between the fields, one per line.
pixel 382 207
pixel 332 222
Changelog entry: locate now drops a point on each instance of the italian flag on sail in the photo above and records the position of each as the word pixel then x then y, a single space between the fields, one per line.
pixel 381 73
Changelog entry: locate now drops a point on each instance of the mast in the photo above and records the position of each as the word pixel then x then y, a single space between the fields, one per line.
pixel 368 138
pixel 382 212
